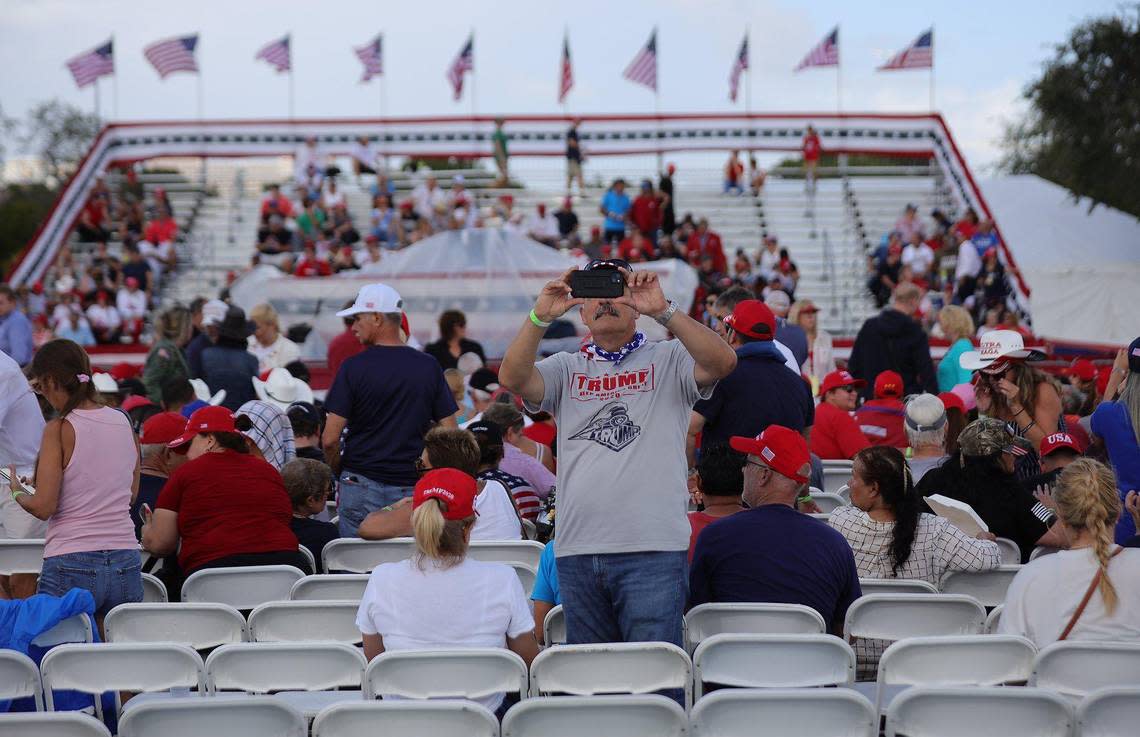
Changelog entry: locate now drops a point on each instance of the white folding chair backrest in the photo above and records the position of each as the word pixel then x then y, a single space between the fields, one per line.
pixel 254 716
pixel 896 586
pixel 284 666
pixel 330 587
pixel 1040 551
pixel 554 627
pixel 21 556
pixel 1077 667
pixel 51 724
pixel 200 625
pixel 1109 712
pixel 896 616
pixel 836 476
pixel 836 463
pixel 361 556
pixel 828 502
pixel 142 667
pixel 778 712
pixel 458 673
pixel 438 718
pixel 707 620
pixel 1010 552
pixel 993 619
pixel 988 587
pixel 845 492
pixel 299 621
pixel 603 716
pixel 19 677
pixel 154 590
pixel 308 555
pixel 773 661
pixel 526 552
pixel 76 628
pixel 526 575
pixel 953 712
pixel 611 668
pixel 242 588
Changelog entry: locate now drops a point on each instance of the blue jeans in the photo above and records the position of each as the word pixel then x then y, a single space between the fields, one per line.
pixel 112 576
pixel 358 495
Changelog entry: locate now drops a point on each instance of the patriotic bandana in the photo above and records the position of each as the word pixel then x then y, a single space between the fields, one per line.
pixel 595 352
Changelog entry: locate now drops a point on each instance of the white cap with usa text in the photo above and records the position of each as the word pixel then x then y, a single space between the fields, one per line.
pixel 375 298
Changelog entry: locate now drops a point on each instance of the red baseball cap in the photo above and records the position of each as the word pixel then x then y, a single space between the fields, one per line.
pixel 451 486
pixel 206 419
pixel 124 370
pixel 754 319
pixel 888 384
pixel 1083 369
pixel 783 450
pixel 162 428
pixel 839 378
pixel 1060 440
pixel 135 400
pixel 952 400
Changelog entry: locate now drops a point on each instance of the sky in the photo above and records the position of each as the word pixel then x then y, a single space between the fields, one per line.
pixel 985 54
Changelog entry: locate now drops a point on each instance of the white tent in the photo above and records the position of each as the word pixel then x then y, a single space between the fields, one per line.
pixel 1082 268
pixel 492 275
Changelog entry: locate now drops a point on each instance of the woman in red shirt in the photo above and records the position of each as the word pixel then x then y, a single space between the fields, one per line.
pixel 811 151
pixel 226 507
pixel 835 435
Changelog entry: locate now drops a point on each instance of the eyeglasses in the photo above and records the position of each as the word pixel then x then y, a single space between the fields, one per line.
pixel 846 388
pixel 421 467
pixel 758 465
pixel 608 263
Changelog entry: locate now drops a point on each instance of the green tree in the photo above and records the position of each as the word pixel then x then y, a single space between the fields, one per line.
pixel 1082 130
pixel 22 209
pixel 60 134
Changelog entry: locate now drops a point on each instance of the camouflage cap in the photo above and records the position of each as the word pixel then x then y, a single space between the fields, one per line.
pixel 987 436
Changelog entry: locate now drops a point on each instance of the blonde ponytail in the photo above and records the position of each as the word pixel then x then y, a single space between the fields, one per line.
pixel 437 538
pixel 1087 499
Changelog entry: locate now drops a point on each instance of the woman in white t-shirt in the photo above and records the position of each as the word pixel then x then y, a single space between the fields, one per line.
pixel 1043 602
pixel 402 603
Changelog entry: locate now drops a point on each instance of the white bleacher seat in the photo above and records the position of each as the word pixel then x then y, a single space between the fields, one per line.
pixel 1077 667
pixel 603 716
pixel 76 628
pixel 527 552
pixel 308 555
pixel 836 477
pixel 993 619
pixel 438 718
pixel 361 556
pixel 154 590
pixel 821 712
pixel 298 621
pixel 608 668
pixel 896 586
pixel 200 625
pixel 21 556
pixel 554 627
pixel 1040 551
pixel 1010 553
pixel 330 587
pixel 255 716
pixel 467 673
pixel 953 712
pixel 1110 712
pixel 828 503
pixel 988 587
pixel 51 724
pixel 773 661
pixel 19 677
pixel 897 616
pixel 243 587
pixel 706 620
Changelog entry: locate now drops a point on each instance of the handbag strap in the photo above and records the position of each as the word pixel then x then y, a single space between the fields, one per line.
pixel 1088 595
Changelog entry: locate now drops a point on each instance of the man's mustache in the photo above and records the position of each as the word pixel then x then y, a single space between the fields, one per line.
pixel 606 308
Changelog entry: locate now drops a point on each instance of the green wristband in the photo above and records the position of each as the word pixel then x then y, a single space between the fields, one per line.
pixel 18 493
pixel 803 499
pixel 538 323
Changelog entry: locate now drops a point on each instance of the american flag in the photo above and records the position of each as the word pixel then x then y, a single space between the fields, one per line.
pixel 91 65
pixel 277 54
pixel 738 67
pixel 566 80
pixel 643 68
pixel 826 54
pixel 172 55
pixel 919 55
pixel 463 63
pixel 371 56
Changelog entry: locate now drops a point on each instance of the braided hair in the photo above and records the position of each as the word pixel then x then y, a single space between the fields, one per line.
pixel 1087 499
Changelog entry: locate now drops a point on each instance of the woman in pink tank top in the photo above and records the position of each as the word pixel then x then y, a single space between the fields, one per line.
pixel 87 475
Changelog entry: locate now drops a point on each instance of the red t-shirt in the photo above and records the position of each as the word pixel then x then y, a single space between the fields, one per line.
pixel 646 213
pixel 709 245
pixel 161 231
pixel 628 251
pixel 835 436
pixel 881 421
pixel 541 432
pixel 341 348
pixel 699 521
pixel 228 504
pixel 314 267
pixel 812 147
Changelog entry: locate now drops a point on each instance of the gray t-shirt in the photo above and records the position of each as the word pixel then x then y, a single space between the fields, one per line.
pixel 621 448
pixel 919 466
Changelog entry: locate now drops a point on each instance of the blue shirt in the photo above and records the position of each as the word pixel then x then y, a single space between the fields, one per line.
pixel 81 334
pixel 390 396
pixel 775 554
pixel 16 337
pixel 794 337
pixel 950 371
pixel 546 582
pixel 1111 422
pixel 984 241
pixel 618 204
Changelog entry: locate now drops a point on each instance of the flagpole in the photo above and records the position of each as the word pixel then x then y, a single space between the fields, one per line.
pixel 474 105
pixel 383 123
pixel 932 108
pixel 201 96
pixel 657 99
pixel 838 76
pixel 97 115
pixel 114 83
pixel 748 76
pixel 290 51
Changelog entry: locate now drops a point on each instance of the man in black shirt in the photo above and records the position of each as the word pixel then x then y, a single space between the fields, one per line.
pixel 574 159
pixel 668 214
pixel 567 222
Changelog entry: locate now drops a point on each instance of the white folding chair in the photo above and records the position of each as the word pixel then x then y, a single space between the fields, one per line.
pixel 254 716
pixel 19 677
pixel 953 712
pixel 308 671
pixel 154 590
pixel 526 575
pixel 138 667
pixel 828 502
pixel 1010 552
pixel 527 552
pixel 707 620
pixel 468 673
pixel 993 619
pixel 835 476
pixel 330 587
pixel 845 492
pixel 1109 712
pixel 243 587
pixel 76 628
pixel 623 667
pixel 778 712
pixel 21 556
pixel 897 616
pixel 308 555
pixel 773 661
pixel 1075 668
pixel 604 716
pixel 988 587
pixel 200 625
pixel 554 627
pixel 361 556
pixel 51 724
pixel 438 718
pixel 299 621
pixel 1040 551
pixel 896 586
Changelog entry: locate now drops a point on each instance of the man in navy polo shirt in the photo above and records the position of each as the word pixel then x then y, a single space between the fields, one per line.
pixel 761 390
pixel 771 552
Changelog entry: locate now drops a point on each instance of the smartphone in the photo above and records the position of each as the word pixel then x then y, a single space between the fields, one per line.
pixel 601 283
pixel 6 478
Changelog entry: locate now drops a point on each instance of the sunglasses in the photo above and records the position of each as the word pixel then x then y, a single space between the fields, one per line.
pixel 421 467
pixel 608 263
